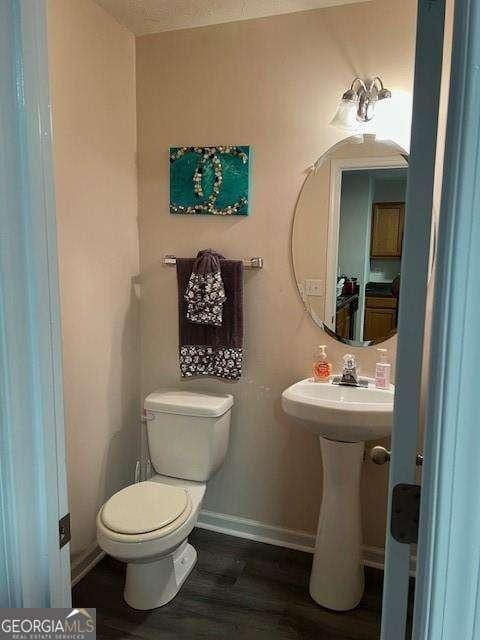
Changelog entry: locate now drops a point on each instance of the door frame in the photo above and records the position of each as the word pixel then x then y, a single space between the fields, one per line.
pixel 337 167
pixel 33 491
pixel 412 316
pixel 447 603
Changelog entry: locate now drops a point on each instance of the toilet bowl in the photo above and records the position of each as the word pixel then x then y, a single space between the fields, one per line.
pixel 159 559
pixel 147 524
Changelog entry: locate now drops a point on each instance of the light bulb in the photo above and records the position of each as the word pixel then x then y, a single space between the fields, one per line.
pixel 393 118
pixel 346 116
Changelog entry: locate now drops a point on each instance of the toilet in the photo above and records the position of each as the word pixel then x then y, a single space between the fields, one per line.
pixel 147 524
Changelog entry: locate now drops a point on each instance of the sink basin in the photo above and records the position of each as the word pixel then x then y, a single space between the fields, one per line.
pixel 344 418
pixel 344 414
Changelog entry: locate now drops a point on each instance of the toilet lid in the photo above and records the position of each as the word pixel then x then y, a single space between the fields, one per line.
pixel 144 507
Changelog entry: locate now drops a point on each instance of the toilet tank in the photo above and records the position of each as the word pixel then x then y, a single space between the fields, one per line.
pixel 187 432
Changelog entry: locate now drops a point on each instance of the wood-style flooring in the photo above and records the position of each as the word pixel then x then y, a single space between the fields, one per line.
pixel 238 590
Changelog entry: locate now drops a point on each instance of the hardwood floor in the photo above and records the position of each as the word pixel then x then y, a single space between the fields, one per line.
pixel 239 590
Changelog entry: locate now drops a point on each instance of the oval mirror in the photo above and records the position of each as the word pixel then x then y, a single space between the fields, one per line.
pixel 347 239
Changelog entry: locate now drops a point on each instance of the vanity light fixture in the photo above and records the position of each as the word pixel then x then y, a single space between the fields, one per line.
pixel 357 105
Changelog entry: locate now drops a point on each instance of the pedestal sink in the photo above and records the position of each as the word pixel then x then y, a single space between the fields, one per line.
pixel 344 418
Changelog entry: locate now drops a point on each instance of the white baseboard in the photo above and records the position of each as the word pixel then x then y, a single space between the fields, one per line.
pixel 243 528
pixel 257 531
pixel 85 563
pixel 280 537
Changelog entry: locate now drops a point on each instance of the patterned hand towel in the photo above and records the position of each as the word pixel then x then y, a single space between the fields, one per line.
pixel 205 293
pixel 208 350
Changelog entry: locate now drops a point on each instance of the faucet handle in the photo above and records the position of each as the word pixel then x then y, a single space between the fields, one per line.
pixel 349 361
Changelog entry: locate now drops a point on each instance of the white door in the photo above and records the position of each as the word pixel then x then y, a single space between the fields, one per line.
pixel 34 553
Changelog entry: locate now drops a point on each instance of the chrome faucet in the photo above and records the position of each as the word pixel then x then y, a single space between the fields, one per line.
pixel 350 377
pixel 349 373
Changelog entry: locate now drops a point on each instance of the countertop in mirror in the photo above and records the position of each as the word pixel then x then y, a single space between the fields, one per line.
pixel 379 289
pixel 346 299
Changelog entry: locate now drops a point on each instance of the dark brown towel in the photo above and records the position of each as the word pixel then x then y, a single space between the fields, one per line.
pixel 207 261
pixel 210 350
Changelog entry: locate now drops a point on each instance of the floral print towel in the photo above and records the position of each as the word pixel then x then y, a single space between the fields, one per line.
pixel 205 293
pixel 222 362
pixel 205 296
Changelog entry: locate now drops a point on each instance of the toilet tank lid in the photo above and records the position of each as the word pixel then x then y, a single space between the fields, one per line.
pixel 189 403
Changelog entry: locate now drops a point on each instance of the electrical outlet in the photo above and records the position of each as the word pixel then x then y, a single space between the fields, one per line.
pixel 301 289
pixel 315 287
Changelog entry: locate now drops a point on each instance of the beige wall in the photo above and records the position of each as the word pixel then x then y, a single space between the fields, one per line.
pixel 92 62
pixel 274 84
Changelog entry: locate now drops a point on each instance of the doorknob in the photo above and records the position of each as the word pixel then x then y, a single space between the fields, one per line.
pixel 380 455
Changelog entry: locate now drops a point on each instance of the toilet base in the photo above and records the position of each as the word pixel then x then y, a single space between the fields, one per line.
pixel 152 584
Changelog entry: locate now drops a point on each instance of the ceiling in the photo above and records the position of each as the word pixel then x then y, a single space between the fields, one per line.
pixel 151 16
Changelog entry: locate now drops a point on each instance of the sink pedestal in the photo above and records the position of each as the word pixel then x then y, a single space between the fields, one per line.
pixel 344 417
pixel 337 578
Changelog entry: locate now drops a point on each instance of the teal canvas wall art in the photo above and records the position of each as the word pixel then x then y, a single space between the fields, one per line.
pixel 210 180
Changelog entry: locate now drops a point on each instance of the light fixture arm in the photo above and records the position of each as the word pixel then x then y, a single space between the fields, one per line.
pixel 365 94
pixel 357 87
pixel 358 81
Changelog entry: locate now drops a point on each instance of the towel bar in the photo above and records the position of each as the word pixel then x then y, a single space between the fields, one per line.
pixel 252 263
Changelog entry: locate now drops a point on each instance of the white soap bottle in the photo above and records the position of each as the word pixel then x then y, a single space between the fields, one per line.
pixel 382 371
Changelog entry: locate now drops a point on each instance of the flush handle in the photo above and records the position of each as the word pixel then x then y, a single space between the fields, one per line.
pixel 380 455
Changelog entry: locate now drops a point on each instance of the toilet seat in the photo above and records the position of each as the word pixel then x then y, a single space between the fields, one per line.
pixel 144 507
pixel 145 511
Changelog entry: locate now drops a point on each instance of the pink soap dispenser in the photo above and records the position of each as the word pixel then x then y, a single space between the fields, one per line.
pixel 382 371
